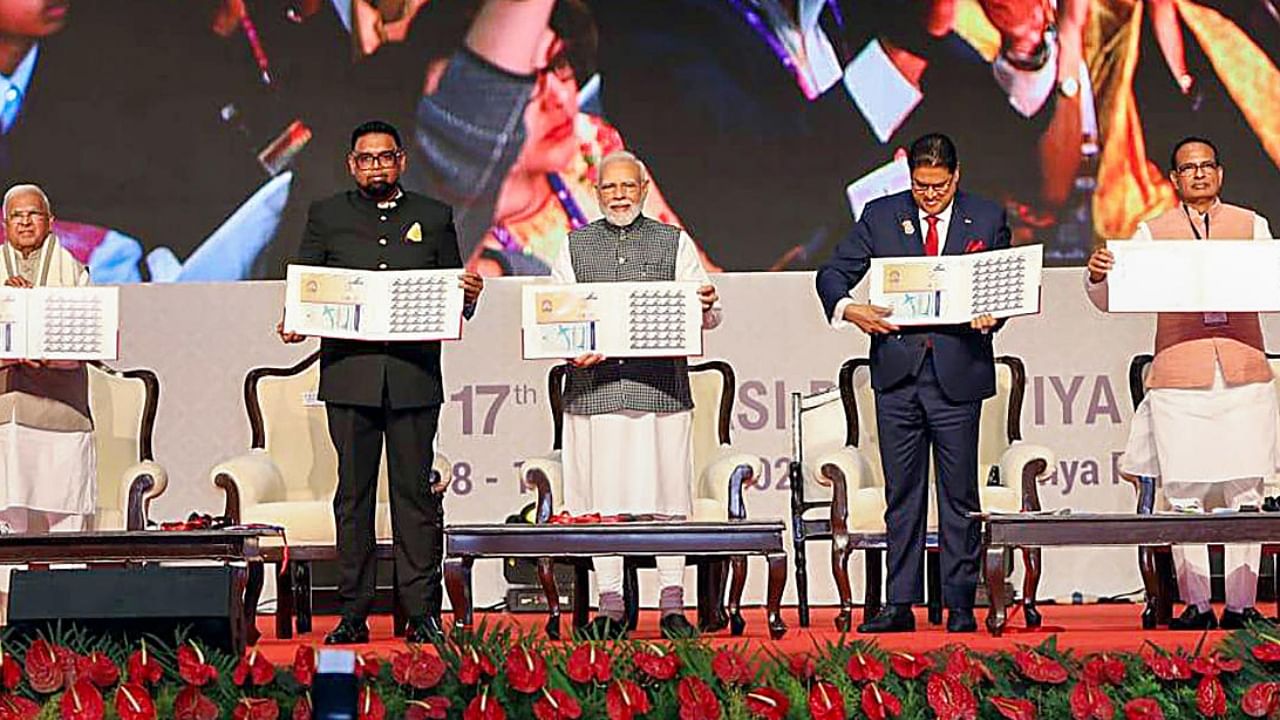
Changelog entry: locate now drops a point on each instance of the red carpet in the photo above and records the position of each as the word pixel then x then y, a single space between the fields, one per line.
pixel 1083 628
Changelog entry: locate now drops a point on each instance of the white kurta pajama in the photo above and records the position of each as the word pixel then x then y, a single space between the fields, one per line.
pixel 630 462
pixel 1211 448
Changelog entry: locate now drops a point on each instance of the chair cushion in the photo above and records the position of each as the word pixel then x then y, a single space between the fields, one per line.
pixel 311 521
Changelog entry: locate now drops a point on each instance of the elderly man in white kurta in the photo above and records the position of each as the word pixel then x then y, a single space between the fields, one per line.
pixel 48 466
pixel 628 422
pixel 1208 422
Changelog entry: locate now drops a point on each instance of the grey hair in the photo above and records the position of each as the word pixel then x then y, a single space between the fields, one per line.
pixel 624 156
pixel 25 188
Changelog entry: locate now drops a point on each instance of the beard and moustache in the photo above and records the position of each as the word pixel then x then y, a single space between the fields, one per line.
pixel 378 189
pixel 623 218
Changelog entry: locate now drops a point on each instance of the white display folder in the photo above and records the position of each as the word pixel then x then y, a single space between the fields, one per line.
pixel 625 319
pixel 381 305
pixel 60 323
pixel 954 289
pixel 1194 276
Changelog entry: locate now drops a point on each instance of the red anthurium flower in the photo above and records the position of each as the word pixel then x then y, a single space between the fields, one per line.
pixel 657 664
pixel 950 698
pixel 697 701
pixel 879 704
pixel 82 701
pixel 526 671
pixel 730 668
pixel 44 669
pixel 302 709
pixel 142 667
pixel 13 707
pixel 1143 709
pixel 589 663
pixel 1168 667
pixel 191 704
pixel 368 666
pixel 98 668
pixel 825 702
pixel 908 666
pixel 864 668
pixel 10 673
pixel 802 666
pixel 624 700
pixel 556 705
pixel 1261 699
pixel 967 668
pixel 1104 670
pixel 1038 668
pixel 1089 702
pixel 133 703
pixel 483 707
pixel 1211 699
pixel 1014 708
pixel 255 709
pixel 254 669
pixel 369 706
pixel 192 668
pixel 475 666
pixel 304 665
pixel 1267 652
pixel 435 707
pixel 767 703
pixel 1214 664
pixel 420 669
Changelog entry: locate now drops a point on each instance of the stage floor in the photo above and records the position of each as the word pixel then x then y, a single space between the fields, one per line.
pixel 1083 628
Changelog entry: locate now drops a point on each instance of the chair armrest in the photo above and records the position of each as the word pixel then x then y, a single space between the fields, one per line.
pixel 141 483
pixel 840 471
pixel 723 481
pixel 441 473
pixel 544 475
pixel 249 479
pixel 1022 466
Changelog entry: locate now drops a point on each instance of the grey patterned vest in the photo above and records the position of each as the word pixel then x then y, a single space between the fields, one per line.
pixel 644 250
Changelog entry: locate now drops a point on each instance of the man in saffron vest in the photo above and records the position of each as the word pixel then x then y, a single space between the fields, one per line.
pixel 1207 425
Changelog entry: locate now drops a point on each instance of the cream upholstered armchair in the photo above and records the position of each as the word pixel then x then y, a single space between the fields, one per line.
pixel 289 475
pixel 1159 579
pixel 720 475
pixel 838 483
pixel 123 405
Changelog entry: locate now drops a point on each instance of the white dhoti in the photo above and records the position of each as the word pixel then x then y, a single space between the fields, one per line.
pixel 1211 448
pixel 630 462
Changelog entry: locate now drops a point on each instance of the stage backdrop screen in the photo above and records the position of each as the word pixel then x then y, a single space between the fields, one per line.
pixel 183 141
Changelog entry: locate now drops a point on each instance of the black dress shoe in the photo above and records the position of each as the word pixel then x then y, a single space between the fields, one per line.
pixel 423 630
pixel 676 627
pixel 1232 620
pixel 961 620
pixel 891 619
pixel 602 628
pixel 1192 619
pixel 348 632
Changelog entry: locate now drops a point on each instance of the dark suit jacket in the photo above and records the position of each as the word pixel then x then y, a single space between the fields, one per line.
pixel 962 356
pixel 345 231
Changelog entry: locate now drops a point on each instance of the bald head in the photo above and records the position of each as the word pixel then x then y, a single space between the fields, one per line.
pixel 27 217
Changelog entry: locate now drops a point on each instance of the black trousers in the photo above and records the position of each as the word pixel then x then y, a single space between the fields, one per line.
pixel 417 515
pixel 911 418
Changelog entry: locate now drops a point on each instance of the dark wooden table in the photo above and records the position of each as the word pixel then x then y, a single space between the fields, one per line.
pixel 735 539
pixel 1002 533
pixel 117 547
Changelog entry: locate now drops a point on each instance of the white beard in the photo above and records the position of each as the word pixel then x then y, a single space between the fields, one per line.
pixel 622 219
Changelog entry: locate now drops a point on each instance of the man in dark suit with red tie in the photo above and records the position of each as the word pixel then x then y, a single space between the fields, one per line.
pixel 929 381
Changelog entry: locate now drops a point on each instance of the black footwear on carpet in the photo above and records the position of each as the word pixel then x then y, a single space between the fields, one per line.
pixel 961 620
pixel 1192 619
pixel 348 632
pixel 676 627
pixel 891 619
pixel 423 630
pixel 1238 620
pixel 602 627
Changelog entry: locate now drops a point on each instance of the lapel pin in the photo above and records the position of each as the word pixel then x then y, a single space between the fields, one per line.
pixel 908 228
pixel 415 233
pixel 968 221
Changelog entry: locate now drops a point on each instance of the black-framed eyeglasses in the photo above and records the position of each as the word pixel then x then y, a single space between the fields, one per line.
pixel 936 188
pixel 1193 169
pixel 386 158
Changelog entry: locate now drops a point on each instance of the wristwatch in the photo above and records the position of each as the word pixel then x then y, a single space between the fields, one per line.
pixel 1069 87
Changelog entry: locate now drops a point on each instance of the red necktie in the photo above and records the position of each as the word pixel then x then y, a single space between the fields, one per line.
pixel 931 237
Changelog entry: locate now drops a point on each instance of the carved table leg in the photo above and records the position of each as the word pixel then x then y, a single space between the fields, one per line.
pixel 284 604
pixel 457 580
pixel 777 583
pixel 1031 586
pixel 252 592
pixel 840 571
pixel 994 570
pixel 547 577
pixel 302 593
pixel 736 624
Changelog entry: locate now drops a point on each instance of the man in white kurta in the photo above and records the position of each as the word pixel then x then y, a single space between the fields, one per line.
pixel 627 435
pixel 1207 426
pixel 48 466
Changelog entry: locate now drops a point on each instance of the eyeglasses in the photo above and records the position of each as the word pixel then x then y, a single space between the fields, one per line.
pixel 368 161
pixel 27 215
pixel 1192 169
pixel 935 188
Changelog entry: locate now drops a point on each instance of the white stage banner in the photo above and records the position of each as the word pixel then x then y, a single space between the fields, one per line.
pixel 1194 276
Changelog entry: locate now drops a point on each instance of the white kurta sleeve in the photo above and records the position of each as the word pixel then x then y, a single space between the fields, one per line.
pixel 562 269
pixel 689 269
pixel 1261 228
